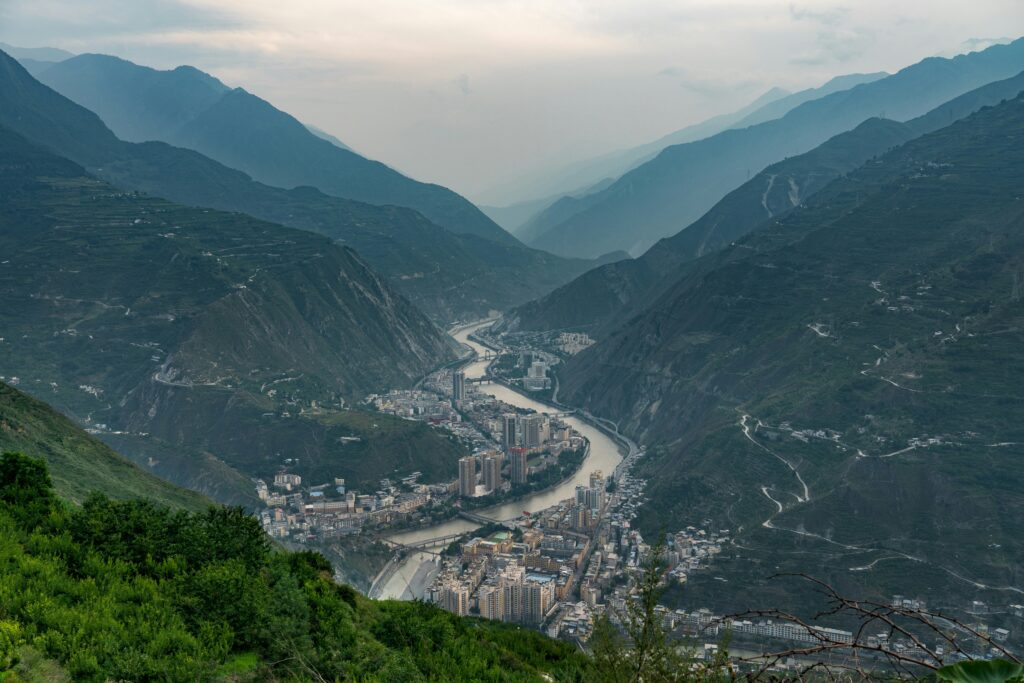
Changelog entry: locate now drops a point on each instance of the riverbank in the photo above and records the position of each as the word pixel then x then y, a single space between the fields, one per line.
pixel 624 442
pixel 491 502
pixel 606 450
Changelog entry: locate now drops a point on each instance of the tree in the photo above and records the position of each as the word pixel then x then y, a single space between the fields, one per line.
pixel 25 488
pixel 956 640
pixel 10 639
pixel 643 651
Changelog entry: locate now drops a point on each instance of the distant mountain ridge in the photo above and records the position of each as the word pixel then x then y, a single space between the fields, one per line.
pixel 604 298
pixel 667 193
pixel 450 276
pixel 37 54
pixel 583 176
pixel 188 108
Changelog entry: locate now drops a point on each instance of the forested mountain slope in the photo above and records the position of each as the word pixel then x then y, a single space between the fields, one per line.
pixel 189 108
pixel 206 331
pixel 450 276
pixel 842 386
pixel 605 298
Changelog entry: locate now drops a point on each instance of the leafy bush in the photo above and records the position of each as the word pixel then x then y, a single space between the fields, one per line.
pixel 995 671
pixel 133 591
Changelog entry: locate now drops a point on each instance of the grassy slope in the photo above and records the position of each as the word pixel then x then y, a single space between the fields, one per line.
pixel 79 463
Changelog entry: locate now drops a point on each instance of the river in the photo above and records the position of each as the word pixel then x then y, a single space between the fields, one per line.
pixel 604 455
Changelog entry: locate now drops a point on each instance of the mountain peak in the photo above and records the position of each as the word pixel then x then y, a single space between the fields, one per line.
pixel 39 54
pixel 189 108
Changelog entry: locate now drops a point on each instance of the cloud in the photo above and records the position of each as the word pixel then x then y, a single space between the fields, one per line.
pixel 827 17
pixel 836 39
pixel 80 21
pixel 975 44
pixel 709 85
pixel 838 47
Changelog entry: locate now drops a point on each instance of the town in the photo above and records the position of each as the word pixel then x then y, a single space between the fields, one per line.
pixel 512 453
pixel 555 569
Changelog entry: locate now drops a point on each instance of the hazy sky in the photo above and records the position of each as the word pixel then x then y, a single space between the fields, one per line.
pixel 474 93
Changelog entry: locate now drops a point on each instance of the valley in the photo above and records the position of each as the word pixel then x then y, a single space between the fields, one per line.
pixel 725 384
pixel 604 454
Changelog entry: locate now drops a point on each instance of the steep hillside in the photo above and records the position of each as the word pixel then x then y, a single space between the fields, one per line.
pixel 188 108
pixel 672 190
pixel 841 388
pixel 125 309
pixel 602 299
pixel 79 463
pixel 450 276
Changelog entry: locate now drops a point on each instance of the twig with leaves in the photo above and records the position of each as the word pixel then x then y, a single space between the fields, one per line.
pixel 895 621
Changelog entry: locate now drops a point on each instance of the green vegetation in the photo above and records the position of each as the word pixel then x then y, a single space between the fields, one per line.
pixel 141 317
pixel 873 338
pixel 566 464
pixel 80 463
pixel 387 446
pixel 133 591
pixel 447 273
pixel 604 298
pixel 995 671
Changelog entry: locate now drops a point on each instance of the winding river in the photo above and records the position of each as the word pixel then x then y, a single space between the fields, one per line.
pixel 414 572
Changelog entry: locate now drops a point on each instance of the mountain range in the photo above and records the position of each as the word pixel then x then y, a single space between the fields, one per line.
pixel 208 342
pixel 840 387
pixel 448 275
pixel 823 361
pixel 525 219
pixel 664 195
pixel 603 299
pixel 188 108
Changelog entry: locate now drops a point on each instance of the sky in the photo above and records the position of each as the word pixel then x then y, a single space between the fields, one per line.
pixel 475 94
